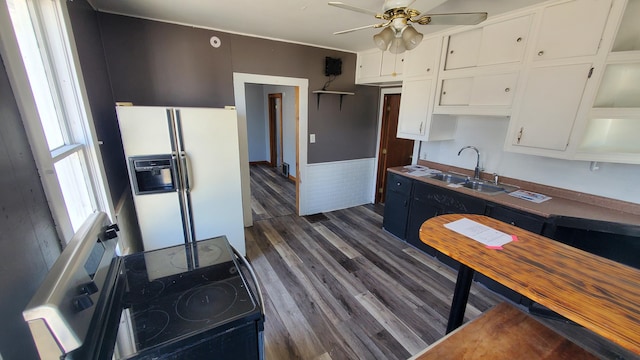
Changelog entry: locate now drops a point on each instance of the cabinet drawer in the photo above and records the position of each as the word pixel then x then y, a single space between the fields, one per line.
pixel 399 184
pixel 528 222
pixel 448 200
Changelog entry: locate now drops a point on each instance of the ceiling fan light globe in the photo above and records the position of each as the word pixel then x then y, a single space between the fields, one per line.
pixel 397 46
pixel 384 38
pixel 411 38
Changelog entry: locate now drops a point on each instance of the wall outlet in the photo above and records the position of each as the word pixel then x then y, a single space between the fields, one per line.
pixel 312 138
pixel 423 156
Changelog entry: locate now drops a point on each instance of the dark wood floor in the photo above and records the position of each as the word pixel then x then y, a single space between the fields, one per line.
pixel 340 287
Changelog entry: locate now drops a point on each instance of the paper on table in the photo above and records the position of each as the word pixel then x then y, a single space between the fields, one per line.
pixel 486 235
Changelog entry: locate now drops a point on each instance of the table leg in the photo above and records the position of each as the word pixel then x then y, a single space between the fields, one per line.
pixel 460 297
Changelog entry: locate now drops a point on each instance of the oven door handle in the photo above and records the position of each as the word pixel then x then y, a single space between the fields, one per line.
pixel 253 276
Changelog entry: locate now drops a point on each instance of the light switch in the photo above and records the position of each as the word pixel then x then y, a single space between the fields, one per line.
pixel 312 138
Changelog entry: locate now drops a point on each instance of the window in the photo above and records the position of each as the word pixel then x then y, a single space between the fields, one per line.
pixel 70 167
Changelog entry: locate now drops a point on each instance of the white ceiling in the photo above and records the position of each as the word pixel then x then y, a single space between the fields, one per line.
pixel 310 22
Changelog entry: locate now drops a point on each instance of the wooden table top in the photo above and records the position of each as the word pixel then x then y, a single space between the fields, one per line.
pixel 597 293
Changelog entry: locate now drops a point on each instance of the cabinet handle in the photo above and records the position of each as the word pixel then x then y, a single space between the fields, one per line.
pixel 451 52
pixel 421 123
pixel 398 183
pixel 507 89
pixel 444 93
pixel 428 69
pixel 540 53
pixel 513 223
pixel 519 39
pixel 520 135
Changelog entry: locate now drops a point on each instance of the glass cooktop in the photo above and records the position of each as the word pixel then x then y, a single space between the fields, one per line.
pixel 182 290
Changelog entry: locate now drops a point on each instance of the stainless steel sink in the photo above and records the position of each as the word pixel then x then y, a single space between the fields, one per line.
pixel 488 188
pixel 450 178
pixel 476 185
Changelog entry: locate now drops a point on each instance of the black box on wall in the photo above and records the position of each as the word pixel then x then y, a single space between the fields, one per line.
pixel 332 66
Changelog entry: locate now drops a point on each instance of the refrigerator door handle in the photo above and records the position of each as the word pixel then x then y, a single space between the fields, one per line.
pixel 186 169
pixel 175 172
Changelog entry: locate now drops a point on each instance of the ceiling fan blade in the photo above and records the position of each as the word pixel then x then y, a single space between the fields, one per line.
pixel 352 8
pixel 359 28
pixel 451 19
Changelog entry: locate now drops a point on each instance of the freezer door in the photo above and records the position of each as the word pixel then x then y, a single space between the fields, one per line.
pixel 210 142
pixel 160 220
pixel 145 130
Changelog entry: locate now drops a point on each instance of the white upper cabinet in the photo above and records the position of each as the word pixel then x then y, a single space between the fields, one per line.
pixel 414 109
pixel 369 64
pixel 392 64
pixel 499 43
pixel 415 120
pixel 423 60
pixel 379 67
pixel 480 90
pixel 463 49
pixel 551 99
pixel 571 29
pixel 610 132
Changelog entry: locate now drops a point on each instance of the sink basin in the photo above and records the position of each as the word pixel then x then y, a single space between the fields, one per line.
pixel 483 187
pixel 488 188
pixel 476 185
pixel 450 178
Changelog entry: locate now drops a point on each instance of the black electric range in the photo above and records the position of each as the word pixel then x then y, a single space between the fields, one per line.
pixel 190 301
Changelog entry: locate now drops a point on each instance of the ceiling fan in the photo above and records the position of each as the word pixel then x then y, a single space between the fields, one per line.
pixel 398 34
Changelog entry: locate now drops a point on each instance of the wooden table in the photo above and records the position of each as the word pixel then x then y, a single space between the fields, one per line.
pixel 597 293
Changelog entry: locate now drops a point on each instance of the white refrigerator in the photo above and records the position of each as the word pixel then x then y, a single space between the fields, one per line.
pixel 184 168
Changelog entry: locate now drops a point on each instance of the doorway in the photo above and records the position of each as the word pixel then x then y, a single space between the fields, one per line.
pixel 275 130
pixel 392 151
pixel 300 104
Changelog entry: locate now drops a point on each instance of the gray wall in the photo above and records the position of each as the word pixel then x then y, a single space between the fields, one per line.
pixel 28 241
pixel 257 121
pixel 102 106
pixel 155 63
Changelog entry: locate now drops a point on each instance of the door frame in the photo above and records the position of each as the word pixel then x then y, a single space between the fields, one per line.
pixel 302 125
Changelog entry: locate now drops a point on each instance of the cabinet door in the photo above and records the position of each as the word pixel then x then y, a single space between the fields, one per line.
pixel 369 64
pixel 396 207
pixel 419 212
pixel 414 109
pixel 571 29
pixel 392 64
pixel 422 60
pixel 486 90
pixel 456 91
pixel 504 42
pixel 550 103
pixel 463 49
pixel 496 90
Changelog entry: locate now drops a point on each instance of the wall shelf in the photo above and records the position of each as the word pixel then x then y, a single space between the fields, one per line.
pixel 341 93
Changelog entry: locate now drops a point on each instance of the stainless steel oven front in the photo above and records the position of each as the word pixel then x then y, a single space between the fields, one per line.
pixel 185 301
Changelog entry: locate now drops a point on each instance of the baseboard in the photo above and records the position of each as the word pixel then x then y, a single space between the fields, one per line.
pixel 259 163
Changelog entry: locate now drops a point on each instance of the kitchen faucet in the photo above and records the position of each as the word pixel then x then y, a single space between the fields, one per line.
pixel 476 171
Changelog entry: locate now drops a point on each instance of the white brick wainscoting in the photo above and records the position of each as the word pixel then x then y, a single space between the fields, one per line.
pixel 338 185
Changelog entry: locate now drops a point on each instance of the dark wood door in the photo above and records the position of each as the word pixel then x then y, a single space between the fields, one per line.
pixel 393 151
pixel 275 129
